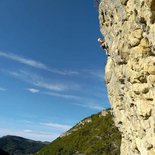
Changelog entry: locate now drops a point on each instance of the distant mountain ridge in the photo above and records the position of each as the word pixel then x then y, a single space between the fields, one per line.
pixel 15 145
pixel 94 135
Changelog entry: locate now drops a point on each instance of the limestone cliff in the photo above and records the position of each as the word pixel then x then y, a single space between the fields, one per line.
pixel 128 27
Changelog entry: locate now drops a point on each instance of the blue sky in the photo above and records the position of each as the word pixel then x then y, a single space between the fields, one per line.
pixel 51 66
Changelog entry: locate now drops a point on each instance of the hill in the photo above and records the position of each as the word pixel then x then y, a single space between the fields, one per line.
pixel 95 135
pixel 3 152
pixel 19 146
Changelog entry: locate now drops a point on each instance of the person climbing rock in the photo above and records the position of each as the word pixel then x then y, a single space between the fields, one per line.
pixel 103 45
pixel 102 42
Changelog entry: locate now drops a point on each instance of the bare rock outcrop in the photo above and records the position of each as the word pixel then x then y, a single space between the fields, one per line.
pixel 128 27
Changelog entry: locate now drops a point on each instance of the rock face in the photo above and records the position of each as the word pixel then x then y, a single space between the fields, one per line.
pixel 128 27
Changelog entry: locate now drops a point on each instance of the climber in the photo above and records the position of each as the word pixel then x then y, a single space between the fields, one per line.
pixel 102 42
pixel 103 45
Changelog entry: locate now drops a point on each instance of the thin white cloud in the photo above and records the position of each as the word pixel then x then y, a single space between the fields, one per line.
pixel 51 86
pixel 35 64
pixel 97 73
pixel 23 60
pixel 91 106
pixel 41 82
pixel 83 102
pixel 56 126
pixel 2 89
pixel 66 96
pixel 33 90
pixel 27 121
pixel 36 132
pixel 64 72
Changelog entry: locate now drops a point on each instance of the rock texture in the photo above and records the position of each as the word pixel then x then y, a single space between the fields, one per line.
pixel 128 27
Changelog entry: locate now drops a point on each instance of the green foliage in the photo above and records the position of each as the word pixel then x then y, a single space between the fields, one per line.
pixel 100 137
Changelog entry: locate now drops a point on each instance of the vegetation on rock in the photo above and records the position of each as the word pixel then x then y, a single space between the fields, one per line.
pixel 95 135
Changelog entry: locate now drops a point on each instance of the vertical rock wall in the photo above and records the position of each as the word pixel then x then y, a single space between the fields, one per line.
pixel 128 27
